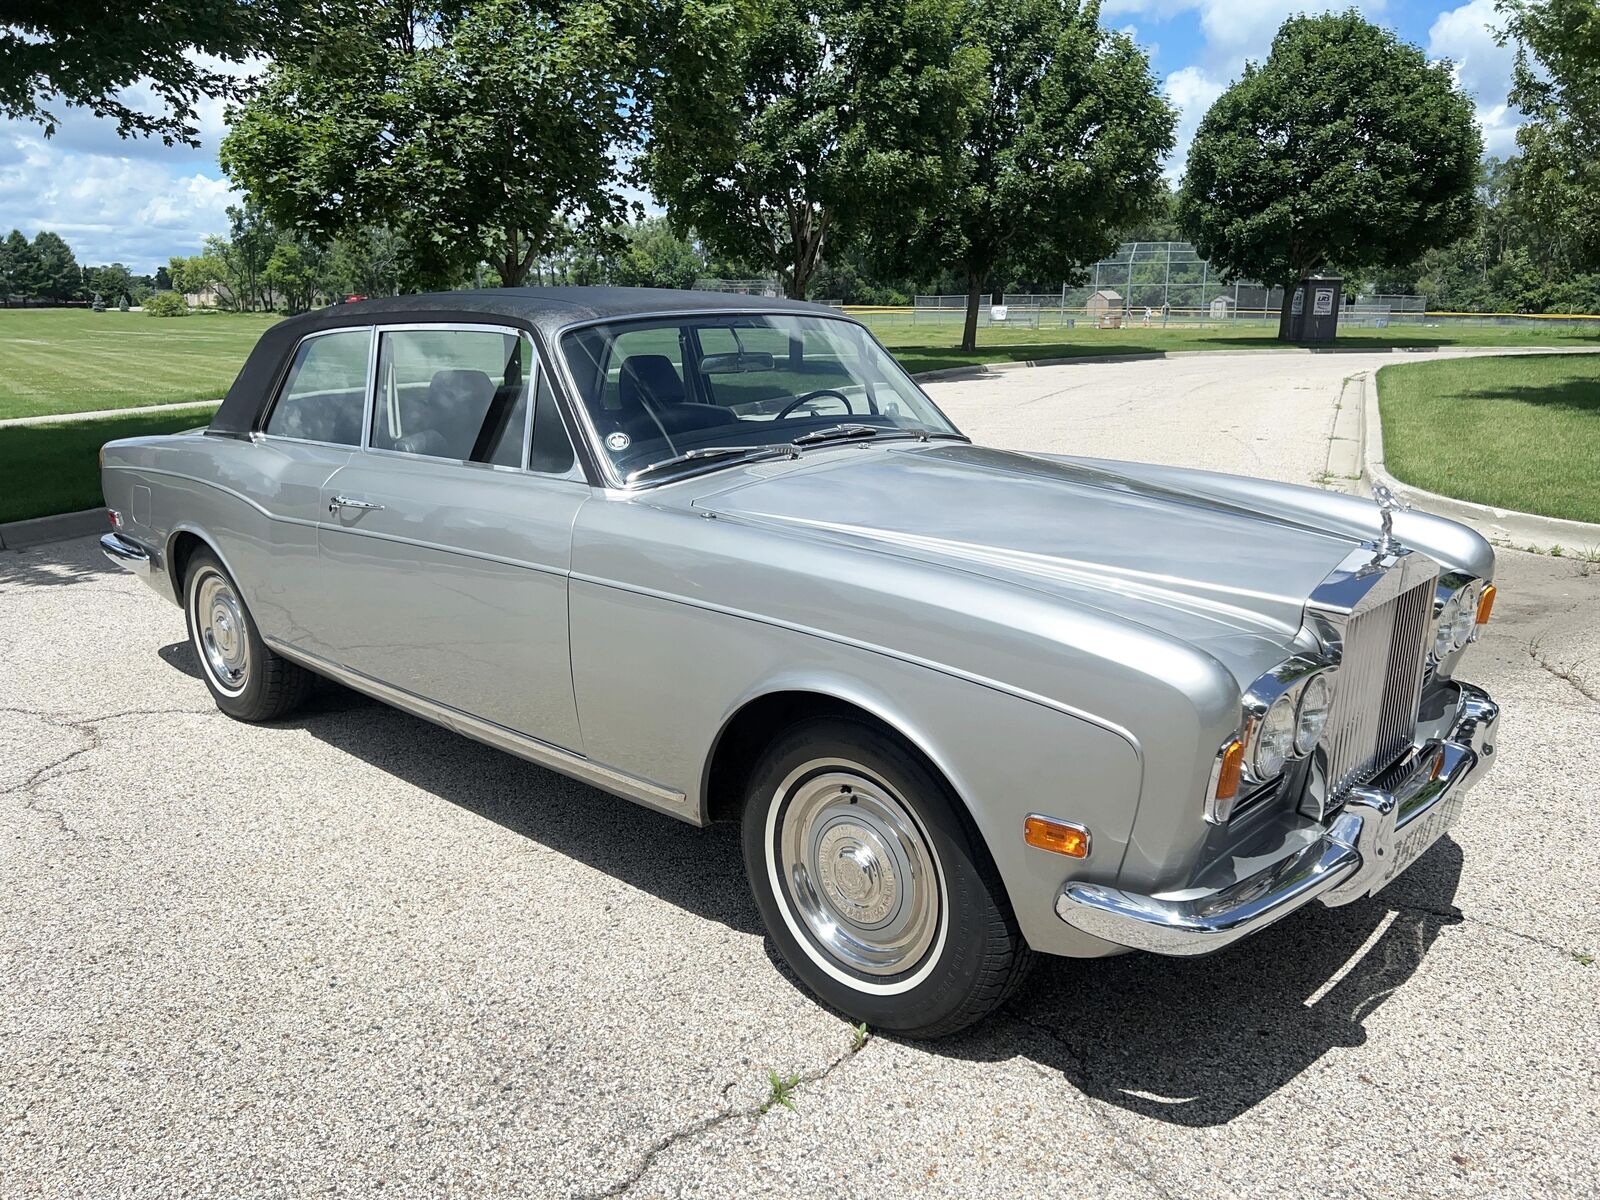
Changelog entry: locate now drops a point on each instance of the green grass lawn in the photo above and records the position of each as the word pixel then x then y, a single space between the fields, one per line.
pixel 55 468
pixel 927 347
pixel 65 360
pixel 1520 433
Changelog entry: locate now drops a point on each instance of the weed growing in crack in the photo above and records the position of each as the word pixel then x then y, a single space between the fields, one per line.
pixel 858 1037
pixel 782 1091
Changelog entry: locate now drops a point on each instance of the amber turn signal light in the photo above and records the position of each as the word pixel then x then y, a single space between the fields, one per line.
pixel 1486 604
pixel 1228 771
pixel 1058 837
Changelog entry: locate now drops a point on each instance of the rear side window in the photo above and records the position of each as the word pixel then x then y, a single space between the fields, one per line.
pixel 326 389
pixel 458 394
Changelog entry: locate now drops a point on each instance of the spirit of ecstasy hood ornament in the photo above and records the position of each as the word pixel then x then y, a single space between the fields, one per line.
pixel 1388 504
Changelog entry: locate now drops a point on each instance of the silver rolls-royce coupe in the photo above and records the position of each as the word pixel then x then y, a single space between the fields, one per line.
pixel 721 556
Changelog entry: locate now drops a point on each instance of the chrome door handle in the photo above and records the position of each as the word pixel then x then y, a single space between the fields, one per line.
pixel 339 502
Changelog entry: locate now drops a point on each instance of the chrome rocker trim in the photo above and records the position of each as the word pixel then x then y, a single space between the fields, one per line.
pixel 1349 861
pixel 127 554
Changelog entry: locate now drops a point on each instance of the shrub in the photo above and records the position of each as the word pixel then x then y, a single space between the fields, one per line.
pixel 166 304
pixel 122 304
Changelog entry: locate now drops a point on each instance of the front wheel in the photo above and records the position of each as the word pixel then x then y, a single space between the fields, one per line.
pixel 247 680
pixel 872 883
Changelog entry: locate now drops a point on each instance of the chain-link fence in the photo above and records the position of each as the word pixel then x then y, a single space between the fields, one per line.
pixel 1159 282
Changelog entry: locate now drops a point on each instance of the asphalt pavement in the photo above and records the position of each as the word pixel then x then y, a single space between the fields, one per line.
pixel 354 954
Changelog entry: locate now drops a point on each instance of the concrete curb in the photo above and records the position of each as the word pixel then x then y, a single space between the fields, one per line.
pixel 977 370
pixel 104 414
pixel 1517 529
pixel 15 535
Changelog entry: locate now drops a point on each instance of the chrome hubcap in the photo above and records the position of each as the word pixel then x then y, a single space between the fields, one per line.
pixel 859 872
pixel 219 623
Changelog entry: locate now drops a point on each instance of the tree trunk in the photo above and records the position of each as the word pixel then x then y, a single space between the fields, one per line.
pixel 969 332
pixel 1285 310
pixel 795 285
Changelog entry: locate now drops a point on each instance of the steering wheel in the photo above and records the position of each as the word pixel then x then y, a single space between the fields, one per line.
pixel 810 396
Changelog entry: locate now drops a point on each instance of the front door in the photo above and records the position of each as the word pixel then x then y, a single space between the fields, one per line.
pixel 446 542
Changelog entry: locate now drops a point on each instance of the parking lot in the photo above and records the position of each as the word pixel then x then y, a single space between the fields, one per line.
pixel 355 954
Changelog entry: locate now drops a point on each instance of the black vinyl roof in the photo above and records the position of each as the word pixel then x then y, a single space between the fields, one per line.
pixel 547 310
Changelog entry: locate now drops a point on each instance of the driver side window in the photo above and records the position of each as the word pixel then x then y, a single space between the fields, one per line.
pixel 459 394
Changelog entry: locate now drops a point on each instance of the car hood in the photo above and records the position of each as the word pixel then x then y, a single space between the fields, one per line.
pixel 1192 562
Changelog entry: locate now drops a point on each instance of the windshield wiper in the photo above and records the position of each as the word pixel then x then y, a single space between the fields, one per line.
pixel 711 453
pixel 834 433
pixel 839 433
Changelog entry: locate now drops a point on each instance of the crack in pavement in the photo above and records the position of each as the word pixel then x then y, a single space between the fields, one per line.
pixel 1122 1151
pixel 1456 916
pixel 1564 676
pixel 703 1125
pixel 87 729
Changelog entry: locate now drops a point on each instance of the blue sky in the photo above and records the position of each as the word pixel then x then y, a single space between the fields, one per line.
pixel 140 202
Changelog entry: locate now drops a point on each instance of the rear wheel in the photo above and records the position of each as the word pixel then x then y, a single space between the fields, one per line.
pixel 248 681
pixel 872 883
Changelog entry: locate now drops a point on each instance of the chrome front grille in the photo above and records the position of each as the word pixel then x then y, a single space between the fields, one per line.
pixel 1379 686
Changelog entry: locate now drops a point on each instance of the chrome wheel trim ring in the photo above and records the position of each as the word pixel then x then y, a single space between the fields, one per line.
pixel 856 876
pixel 219 633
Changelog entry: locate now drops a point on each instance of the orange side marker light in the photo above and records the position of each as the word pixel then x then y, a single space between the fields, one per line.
pixel 1058 837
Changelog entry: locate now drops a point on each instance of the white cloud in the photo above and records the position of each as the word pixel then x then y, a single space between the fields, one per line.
pixel 114 199
pixel 1236 30
pixel 1466 36
pixel 1192 91
pixel 108 207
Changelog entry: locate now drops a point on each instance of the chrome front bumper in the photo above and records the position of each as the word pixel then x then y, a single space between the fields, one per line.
pixel 1375 836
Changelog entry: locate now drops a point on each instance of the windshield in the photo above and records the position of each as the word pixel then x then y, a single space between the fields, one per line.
pixel 660 391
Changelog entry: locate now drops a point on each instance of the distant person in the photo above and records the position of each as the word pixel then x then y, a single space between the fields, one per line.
pixel 1148 314
pixel 1166 313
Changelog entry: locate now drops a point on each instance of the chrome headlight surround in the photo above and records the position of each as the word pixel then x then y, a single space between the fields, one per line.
pixel 1455 614
pixel 1285 713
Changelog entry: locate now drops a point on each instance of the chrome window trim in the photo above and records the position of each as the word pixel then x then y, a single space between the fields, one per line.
pixel 260 431
pixel 591 435
pixel 536 366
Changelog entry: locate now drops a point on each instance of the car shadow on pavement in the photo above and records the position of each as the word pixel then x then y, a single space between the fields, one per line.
pixel 699 870
pixel 1199 1041
pixel 180 657
pixel 1193 1042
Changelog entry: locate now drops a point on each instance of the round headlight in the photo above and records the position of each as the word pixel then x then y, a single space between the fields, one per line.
pixel 1466 615
pixel 1274 739
pixel 1444 638
pixel 1315 700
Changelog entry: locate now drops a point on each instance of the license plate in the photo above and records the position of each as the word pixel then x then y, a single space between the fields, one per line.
pixel 1414 840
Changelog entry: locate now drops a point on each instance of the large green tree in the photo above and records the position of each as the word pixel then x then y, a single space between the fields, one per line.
pixel 1557 86
pixel 1346 149
pixel 781 128
pixel 85 52
pixel 1062 148
pixel 56 268
pixel 471 128
pixel 19 269
pixel 654 256
pixel 113 281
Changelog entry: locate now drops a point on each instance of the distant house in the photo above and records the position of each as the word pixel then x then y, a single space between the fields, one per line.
pixel 1105 301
